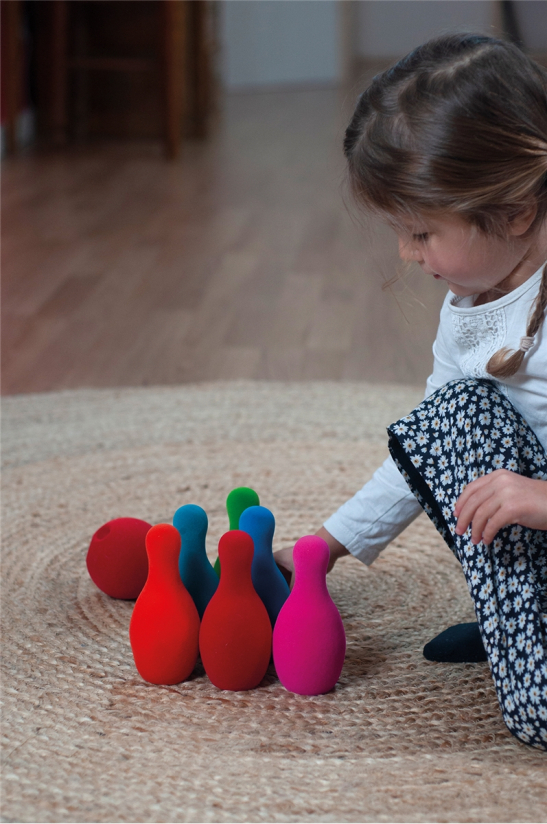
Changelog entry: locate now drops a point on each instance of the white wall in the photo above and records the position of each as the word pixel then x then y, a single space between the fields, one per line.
pixel 391 28
pixel 272 42
pixel 277 42
pixel 532 21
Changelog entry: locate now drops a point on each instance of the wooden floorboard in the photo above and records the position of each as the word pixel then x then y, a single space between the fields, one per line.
pixel 240 260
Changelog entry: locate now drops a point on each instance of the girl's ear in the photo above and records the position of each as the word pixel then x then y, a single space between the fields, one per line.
pixel 521 222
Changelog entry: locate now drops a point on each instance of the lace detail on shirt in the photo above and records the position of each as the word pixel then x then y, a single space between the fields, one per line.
pixel 481 336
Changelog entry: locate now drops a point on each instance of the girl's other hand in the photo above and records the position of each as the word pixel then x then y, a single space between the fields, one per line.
pixel 283 557
pixel 499 499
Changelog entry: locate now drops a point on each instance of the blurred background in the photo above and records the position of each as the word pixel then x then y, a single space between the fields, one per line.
pixel 173 190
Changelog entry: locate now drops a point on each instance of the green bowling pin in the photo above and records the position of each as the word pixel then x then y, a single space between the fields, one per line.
pixel 237 502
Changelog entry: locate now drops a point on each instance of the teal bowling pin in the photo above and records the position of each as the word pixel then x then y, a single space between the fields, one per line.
pixel 196 571
pixel 237 502
pixel 269 582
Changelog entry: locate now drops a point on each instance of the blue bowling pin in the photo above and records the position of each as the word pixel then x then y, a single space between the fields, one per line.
pixel 271 586
pixel 196 571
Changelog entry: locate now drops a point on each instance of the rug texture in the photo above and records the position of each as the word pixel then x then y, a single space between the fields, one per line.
pixel 86 739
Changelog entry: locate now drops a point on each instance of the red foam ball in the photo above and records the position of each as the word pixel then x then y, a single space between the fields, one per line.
pixel 116 559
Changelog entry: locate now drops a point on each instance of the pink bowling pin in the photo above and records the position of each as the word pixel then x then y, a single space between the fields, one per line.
pixel 309 642
pixel 164 627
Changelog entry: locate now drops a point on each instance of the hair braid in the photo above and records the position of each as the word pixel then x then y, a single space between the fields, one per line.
pixel 505 362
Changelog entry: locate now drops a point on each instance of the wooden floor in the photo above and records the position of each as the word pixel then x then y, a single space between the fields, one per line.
pixel 241 260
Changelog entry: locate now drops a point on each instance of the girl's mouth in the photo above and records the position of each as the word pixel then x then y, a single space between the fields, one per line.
pixel 437 277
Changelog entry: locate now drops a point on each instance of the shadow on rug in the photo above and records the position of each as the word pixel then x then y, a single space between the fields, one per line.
pixel 85 739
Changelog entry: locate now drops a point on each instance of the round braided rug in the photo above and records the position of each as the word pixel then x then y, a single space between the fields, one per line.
pixel 85 739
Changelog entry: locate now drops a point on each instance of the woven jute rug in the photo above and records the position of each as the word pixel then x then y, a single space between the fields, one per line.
pixel 85 739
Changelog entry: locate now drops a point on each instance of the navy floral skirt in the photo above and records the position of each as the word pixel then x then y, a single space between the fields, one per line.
pixel 466 429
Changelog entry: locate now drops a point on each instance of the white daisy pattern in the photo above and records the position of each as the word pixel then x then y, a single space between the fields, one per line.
pixel 507 579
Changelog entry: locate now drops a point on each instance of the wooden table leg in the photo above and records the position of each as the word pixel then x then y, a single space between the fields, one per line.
pixel 175 15
pixel 12 59
pixel 59 72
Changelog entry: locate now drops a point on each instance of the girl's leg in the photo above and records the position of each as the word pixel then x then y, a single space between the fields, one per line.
pixel 464 430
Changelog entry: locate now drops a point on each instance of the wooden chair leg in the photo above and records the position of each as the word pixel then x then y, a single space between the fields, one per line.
pixel 175 15
pixel 12 69
pixel 201 71
pixel 59 72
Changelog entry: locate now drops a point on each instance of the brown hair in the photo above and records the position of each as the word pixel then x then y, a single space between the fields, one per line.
pixel 457 126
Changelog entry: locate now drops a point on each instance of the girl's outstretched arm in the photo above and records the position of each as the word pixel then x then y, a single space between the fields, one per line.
pixel 499 499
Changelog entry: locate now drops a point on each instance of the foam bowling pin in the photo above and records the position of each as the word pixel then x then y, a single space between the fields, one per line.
pixel 309 642
pixel 196 571
pixel 164 627
pixel 116 559
pixel 237 502
pixel 268 581
pixel 235 639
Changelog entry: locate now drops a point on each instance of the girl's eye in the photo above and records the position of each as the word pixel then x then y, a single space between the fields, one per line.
pixel 421 238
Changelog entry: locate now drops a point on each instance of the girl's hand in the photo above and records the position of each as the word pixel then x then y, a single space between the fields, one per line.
pixel 283 557
pixel 499 499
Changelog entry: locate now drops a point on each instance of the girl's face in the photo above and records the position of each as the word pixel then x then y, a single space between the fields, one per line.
pixel 471 263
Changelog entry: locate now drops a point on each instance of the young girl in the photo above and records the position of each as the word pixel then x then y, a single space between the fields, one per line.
pixel 450 147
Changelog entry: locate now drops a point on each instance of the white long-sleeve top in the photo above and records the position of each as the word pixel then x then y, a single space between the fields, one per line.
pixel 466 339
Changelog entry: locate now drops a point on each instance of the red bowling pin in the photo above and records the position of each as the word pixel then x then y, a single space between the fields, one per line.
pixel 235 639
pixel 164 627
pixel 309 642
